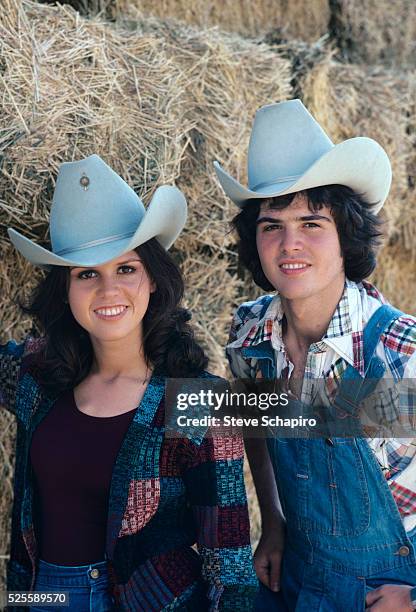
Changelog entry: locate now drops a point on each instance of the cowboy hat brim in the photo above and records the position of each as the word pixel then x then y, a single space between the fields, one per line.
pixel 164 220
pixel 359 163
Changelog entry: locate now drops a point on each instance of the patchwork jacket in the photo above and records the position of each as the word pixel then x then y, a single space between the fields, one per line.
pixel 167 494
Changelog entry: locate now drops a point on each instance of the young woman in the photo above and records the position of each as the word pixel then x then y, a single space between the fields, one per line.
pixel 107 508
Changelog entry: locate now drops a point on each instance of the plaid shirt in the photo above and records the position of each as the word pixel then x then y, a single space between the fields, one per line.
pixel 261 321
pixel 166 495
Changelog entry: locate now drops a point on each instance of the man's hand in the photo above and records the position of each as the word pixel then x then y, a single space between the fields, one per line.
pixel 268 557
pixel 389 597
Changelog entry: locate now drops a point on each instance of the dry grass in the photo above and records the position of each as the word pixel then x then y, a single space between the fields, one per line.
pixel 375 31
pixel 397 276
pixel 352 100
pixel 365 31
pixel 245 17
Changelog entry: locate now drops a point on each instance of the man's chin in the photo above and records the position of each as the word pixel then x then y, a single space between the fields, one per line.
pixel 295 293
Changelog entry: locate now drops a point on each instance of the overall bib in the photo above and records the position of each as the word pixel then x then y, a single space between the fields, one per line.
pixel 344 533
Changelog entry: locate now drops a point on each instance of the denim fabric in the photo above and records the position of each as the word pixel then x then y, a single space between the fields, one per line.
pixel 314 588
pixel 344 533
pixel 86 593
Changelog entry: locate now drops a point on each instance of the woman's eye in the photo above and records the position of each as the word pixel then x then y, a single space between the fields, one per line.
pixel 130 268
pixel 85 274
pixel 311 224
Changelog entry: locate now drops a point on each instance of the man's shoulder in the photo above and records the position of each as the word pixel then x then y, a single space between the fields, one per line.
pixel 254 309
pixel 400 335
pixel 371 291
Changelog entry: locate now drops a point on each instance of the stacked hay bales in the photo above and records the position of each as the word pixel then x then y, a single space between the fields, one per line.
pixel 244 17
pixel 375 31
pixel 159 100
pixel 364 31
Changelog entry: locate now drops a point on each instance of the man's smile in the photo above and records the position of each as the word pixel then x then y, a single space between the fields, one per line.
pixel 293 268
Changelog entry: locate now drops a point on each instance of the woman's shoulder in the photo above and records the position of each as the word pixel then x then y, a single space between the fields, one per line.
pixel 23 353
pixel 22 349
pixel 32 355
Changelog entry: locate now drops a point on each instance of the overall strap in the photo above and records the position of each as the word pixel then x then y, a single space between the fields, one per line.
pixel 376 325
pixel 353 388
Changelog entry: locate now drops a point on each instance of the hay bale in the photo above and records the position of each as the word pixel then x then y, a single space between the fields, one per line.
pixel 375 31
pixel 351 100
pixel 364 31
pixel 245 17
pixel 7 460
pixel 407 222
pixel 395 276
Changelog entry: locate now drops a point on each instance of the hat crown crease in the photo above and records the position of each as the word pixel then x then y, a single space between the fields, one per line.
pixel 107 207
pixel 285 141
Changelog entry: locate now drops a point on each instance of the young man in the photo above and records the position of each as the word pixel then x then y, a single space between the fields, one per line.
pixel 308 231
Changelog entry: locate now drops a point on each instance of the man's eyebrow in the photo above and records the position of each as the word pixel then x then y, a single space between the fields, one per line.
pixel 121 263
pixel 304 218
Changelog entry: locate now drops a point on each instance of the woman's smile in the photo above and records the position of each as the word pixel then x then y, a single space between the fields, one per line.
pixel 111 312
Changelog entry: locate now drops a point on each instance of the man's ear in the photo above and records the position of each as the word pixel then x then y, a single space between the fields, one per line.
pixel 153 286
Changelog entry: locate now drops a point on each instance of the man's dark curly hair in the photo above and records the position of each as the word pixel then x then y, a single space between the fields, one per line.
pixel 358 229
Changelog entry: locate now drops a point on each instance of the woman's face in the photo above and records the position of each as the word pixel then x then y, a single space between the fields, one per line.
pixel 109 301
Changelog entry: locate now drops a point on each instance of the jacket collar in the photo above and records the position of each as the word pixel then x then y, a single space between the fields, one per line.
pixel 129 473
pixel 344 334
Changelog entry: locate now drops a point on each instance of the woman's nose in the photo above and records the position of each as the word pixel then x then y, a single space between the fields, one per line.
pixel 108 285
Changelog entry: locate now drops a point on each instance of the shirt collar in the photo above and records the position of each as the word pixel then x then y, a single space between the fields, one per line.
pixel 345 330
pixel 344 334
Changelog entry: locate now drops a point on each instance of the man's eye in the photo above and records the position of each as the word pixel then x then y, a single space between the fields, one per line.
pixel 271 227
pixel 311 224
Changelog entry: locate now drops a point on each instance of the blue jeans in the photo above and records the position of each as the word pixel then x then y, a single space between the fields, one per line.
pixel 307 588
pixel 87 586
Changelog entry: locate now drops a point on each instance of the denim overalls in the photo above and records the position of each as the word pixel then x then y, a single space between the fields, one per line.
pixel 344 534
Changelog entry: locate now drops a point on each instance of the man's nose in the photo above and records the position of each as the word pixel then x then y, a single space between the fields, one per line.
pixel 291 240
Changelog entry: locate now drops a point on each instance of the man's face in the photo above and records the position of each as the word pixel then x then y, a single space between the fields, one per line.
pixel 299 250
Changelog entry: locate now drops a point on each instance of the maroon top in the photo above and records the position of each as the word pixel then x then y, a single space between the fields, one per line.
pixel 72 456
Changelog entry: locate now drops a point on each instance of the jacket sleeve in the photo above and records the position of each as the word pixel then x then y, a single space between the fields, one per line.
pixel 215 488
pixel 12 357
pixel 239 366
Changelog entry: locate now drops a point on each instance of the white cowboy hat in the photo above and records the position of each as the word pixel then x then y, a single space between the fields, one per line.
pixel 96 216
pixel 289 152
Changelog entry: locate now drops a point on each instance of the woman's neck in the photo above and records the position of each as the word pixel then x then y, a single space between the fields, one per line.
pixel 119 359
